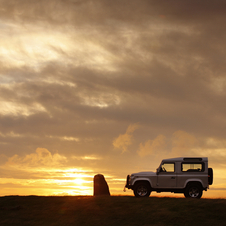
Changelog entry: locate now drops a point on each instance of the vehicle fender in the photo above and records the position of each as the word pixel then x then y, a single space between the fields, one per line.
pixel 192 181
pixel 142 179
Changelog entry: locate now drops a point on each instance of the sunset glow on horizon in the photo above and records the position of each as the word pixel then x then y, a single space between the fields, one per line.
pixel 109 87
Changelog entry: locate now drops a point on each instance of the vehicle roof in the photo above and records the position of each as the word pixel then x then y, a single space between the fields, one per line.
pixel 186 159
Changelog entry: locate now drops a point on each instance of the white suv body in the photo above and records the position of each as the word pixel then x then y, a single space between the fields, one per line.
pixel 179 175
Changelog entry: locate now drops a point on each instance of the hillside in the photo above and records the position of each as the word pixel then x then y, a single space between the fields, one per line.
pixel 114 210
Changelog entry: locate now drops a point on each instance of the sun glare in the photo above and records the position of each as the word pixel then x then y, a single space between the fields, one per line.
pixel 79 181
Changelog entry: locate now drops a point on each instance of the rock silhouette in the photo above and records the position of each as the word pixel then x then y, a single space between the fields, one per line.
pixel 100 185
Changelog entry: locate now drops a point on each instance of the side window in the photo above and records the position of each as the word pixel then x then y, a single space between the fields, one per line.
pixel 167 167
pixel 192 167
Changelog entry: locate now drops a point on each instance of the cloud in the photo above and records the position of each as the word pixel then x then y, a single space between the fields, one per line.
pixel 183 143
pixel 87 157
pixel 158 145
pixel 74 73
pixel 180 143
pixel 9 108
pixel 123 141
pixel 41 158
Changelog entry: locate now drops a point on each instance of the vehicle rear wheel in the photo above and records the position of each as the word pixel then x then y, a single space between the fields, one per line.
pixel 193 191
pixel 142 189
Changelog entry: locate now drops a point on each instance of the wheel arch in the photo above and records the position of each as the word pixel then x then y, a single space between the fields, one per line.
pixel 142 181
pixel 196 182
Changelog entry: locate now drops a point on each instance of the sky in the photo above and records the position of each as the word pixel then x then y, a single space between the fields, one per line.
pixel 109 87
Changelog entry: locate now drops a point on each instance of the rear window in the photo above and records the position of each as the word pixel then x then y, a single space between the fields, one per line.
pixel 192 167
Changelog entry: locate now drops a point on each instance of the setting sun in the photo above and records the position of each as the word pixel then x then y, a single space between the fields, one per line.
pixel 79 181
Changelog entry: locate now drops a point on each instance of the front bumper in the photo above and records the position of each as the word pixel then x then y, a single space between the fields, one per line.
pixel 128 185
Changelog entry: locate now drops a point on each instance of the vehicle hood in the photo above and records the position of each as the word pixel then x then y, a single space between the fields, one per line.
pixel 147 173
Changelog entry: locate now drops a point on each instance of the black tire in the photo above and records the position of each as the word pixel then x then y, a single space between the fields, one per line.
pixel 193 191
pixel 142 189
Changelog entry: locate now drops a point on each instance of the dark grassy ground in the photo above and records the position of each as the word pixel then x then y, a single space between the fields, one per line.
pixel 114 210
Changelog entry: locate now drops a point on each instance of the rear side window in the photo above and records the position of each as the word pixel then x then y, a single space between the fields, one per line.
pixel 192 167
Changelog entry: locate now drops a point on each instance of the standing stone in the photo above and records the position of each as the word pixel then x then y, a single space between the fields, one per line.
pixel 100 186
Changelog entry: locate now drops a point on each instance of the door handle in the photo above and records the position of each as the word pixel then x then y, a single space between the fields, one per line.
pixel 173 177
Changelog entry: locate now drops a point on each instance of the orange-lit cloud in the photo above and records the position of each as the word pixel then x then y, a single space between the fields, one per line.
pixel 158 145
pixel 183 143
pixel 41 157
pixel 125 140
pixel 46 171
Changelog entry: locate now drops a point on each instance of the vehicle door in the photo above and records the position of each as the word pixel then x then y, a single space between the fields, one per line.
pixel 167 175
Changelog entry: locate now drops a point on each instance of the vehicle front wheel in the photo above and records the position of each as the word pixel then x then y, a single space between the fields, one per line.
pixel 142 190
pixel 193 191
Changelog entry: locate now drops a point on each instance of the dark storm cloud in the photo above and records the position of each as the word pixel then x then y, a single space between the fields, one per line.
pixel 125 10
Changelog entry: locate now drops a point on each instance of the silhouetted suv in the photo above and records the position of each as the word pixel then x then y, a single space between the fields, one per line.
pixel 177 175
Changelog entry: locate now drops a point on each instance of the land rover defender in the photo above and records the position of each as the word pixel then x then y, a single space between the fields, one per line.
pixel 177 175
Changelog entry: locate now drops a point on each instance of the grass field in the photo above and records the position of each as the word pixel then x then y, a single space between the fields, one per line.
pixel 114 210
